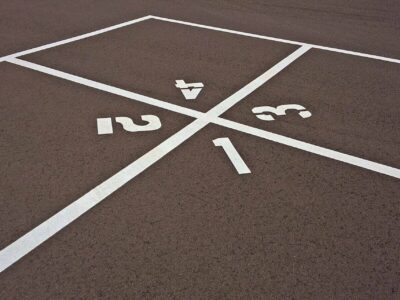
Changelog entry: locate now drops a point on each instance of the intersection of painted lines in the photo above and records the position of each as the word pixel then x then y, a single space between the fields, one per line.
pixel 41 233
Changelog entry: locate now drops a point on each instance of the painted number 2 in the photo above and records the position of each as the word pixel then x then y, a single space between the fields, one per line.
pixel 233 155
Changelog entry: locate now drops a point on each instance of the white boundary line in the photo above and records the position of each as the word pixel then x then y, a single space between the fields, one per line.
pixel 212 115
pixel 73 39
pixel 264 37
pixel 257 36
pixel 21 247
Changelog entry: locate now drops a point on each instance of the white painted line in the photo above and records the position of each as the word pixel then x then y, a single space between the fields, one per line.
pixel 264 37
pixel 50 227
pixel 233 155
pixel 259 81
pixel 74 39
pixel 21 247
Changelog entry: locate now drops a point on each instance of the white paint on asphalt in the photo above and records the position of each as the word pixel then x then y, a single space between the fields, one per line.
pixel 189 90
pixel 51 226
pixel 153 123
pixel 74 39
pixel 25 244
pixel 233 155
pixel 325 152
pixel 265 113
pixel 104 126
pixel 259 81
pixel 269 38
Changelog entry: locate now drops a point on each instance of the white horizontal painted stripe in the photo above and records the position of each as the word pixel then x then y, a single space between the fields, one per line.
pixel 74 39
pixel 21 247
pixel 264 37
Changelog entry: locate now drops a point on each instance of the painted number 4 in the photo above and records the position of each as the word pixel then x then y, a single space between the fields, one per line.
pixel 233 155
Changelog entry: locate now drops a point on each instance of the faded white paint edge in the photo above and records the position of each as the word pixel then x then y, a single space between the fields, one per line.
pixel 264 37
pixel 25 244
pixel 74 39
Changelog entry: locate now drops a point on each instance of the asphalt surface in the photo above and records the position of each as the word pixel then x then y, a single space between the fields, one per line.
pixel 300 226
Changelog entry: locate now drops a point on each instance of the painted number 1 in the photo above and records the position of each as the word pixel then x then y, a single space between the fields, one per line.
pixel 233 155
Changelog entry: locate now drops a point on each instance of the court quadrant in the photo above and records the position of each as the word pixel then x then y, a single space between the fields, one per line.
pixel 51 152
pixel 353 103
pixel 148 57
